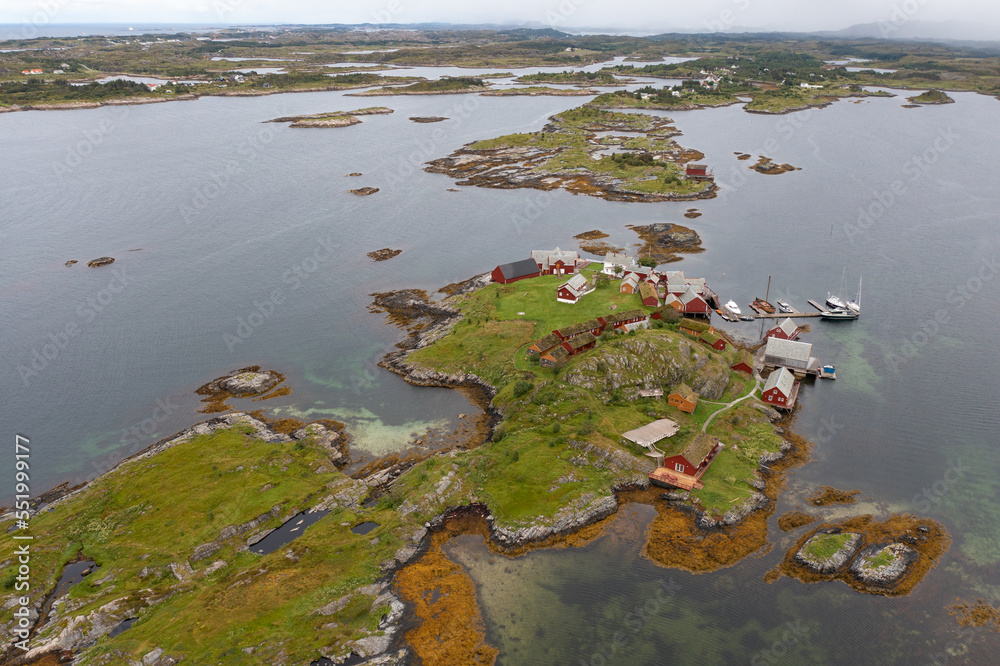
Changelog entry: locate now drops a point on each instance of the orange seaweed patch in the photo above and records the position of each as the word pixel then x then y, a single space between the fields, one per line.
pixel 277 393
pixel 927 537
pixel 674 540
pixel 794 520
pixel 443 597
pixel 979 614
pixel 827 495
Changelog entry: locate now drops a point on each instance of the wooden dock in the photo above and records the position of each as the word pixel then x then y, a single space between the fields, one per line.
pixel 782 315
pixel 822 310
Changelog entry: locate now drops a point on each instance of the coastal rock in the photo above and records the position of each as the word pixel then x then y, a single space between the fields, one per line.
pixel 330 440
pixel 427 119
pixel 383 254
pixel 846 544
pixel 100 261
pixel 247 384
pixel 584 511
pixel 71 262
pixel 883 565
pixel 370 646
pixel 364 191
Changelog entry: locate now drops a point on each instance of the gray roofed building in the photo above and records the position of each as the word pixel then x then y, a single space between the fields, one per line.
pixel 796 355
pixel 515 270
pixel 688 296
pixel 651 433
pixel 546 259
pixel 781 379
pixel 572 289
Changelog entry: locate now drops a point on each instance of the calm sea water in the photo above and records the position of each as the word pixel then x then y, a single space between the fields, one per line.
pixel 253 252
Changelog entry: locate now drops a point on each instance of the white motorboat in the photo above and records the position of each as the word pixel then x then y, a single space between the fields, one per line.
pixel 732 307
pixel 785 307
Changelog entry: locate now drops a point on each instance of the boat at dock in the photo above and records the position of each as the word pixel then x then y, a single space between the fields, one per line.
pixel 732 307
pixel 828 372
pixel 839 314
pixel 785 307
pixel 760 304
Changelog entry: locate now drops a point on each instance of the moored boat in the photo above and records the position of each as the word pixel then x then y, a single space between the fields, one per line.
pixel 732 307
pixel 761 304
pixel 785 307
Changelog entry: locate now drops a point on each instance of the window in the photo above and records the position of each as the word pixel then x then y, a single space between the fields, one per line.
pixel 679 467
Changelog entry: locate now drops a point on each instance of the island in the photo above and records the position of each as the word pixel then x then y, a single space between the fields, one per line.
pixel 931 97
pixel 331 118
pixel 249 529
pixel 535 91
pixel 579 151
pixel 600 78
pixel 446 85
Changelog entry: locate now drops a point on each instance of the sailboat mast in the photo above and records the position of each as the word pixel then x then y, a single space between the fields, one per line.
pixel 768 291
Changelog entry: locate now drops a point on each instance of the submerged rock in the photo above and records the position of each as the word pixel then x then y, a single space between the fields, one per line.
pixel 100 261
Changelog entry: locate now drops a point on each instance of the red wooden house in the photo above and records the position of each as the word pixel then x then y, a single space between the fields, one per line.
pixel 694 304
pixel 713 340
pixel 744 363
pixel 781 389
pixel 592 326
pixel 556 262
pixel 697 172
pixel 786 330
pixel 649 296
pixel 622 321
pixel 517 270
pixel 572 290
pixel 695 458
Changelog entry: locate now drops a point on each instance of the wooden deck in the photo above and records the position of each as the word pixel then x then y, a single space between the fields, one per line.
pixel 667 477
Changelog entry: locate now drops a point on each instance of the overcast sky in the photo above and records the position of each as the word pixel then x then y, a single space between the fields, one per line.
pixel 641 16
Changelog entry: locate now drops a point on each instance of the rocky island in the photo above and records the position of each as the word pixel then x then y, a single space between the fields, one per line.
pixel 578 151
pixel 931 97
pixel 887 557
pixel 331 118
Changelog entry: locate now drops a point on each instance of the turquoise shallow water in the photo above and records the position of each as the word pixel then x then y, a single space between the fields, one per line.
pixel 232 214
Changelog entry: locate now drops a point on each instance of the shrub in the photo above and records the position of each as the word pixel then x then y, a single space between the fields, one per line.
pixel 522 387
pixel 586 428
pixel 556 428
pixel 649 262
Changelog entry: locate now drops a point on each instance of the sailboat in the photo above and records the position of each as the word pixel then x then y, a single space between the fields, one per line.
pixel 835 302
pixel 855 304
pixel 850 311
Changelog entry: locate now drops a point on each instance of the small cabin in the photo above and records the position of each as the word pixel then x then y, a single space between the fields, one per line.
pixel 781 389
pixel 545 344
pixel 683 398
pixel 786 330
pixel 744 363
pixel 697 172
pixel 713 340
pixel 649 296
pixel 695 458
pixel 572 290
pixel 630 284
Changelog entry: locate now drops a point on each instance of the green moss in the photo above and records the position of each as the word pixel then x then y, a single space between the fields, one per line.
pixel 825 546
